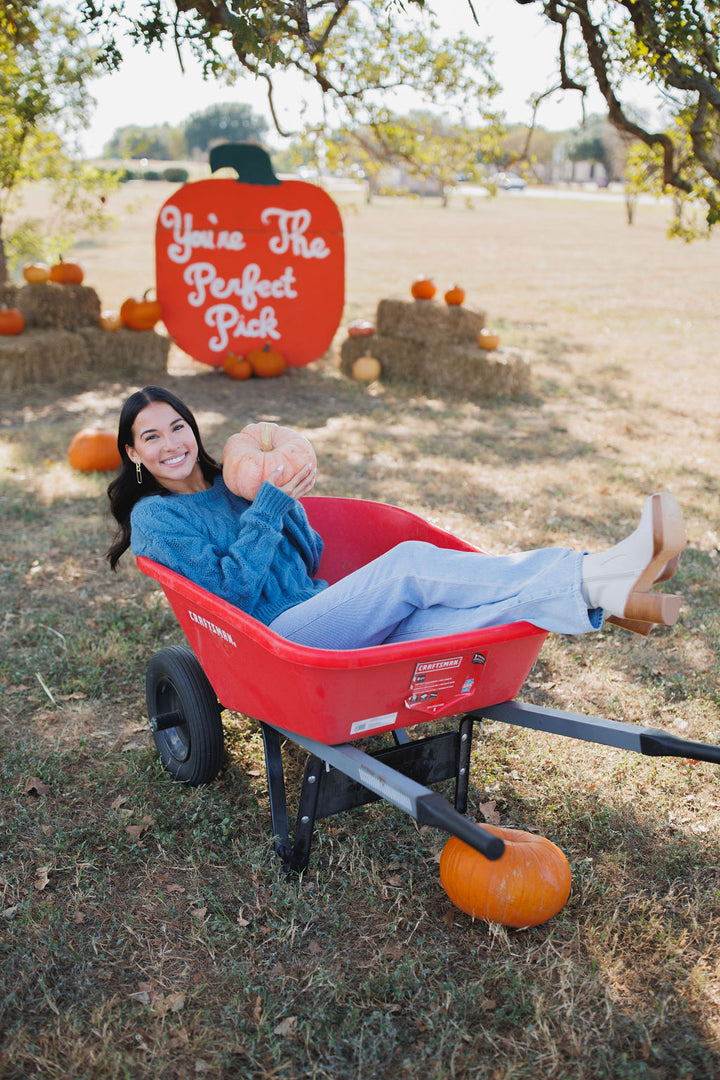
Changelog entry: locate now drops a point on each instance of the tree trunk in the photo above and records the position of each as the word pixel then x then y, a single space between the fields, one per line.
pixel 4 276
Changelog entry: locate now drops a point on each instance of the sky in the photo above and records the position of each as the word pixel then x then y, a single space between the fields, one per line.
pixel 151 88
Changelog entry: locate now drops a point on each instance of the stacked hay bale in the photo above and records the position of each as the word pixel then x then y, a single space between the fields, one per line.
pixel 434 347
pixel 63 339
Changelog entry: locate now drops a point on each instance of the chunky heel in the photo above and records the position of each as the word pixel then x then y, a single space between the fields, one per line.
pixel 651 607
pixel 635 626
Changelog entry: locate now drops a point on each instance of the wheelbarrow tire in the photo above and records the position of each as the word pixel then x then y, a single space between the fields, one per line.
pixel 192 749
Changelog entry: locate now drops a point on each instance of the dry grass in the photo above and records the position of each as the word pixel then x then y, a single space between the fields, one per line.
pixel 185 953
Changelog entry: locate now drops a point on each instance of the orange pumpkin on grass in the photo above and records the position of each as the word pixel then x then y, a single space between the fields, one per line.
pixel 92 450
pixel 237 367
pixel 255 453
pixel 12 321
pixel 266 362
pixel 526 886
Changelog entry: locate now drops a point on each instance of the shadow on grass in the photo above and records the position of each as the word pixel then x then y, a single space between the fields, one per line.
pixel 182 942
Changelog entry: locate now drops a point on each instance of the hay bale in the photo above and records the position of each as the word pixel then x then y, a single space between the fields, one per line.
pixel 38 356
pixel 56 356
pixel 49 306
pixel 126 352
pixel 451 368
pixel 428 322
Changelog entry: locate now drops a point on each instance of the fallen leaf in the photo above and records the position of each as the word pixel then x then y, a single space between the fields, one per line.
pixel 241 920
pixel 116 803
pixel 42 877
pixel 136 830
pixel 286 1027
pixel 199 913
pixel 489 812
pixel 395 881
pixel 35 786
pixel 79 917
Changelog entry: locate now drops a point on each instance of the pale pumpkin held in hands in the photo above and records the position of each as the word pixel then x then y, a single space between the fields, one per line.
pixel 94 450
pixel 252 455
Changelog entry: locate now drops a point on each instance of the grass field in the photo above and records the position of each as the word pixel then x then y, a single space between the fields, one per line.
pixel 146 930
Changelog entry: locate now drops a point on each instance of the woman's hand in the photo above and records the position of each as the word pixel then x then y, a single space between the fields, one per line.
pixel 300 484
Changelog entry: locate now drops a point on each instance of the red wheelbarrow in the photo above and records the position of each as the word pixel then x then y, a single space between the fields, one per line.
pixel 326 700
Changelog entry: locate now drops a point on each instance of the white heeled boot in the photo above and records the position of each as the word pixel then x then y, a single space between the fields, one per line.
pixel 619 580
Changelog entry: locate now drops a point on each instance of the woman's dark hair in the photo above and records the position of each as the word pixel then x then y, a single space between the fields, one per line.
pixel 124 491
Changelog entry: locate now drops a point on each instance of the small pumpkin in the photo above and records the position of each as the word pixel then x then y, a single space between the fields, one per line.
pixel 360 328
pixel 140 313
pixel 253 454
pixel 66 273
pixel 237 367
pixel 488 339
pixel 94 450
pixel 366 369
pixel 423 288
pixel 110 320
pixel 36 272
pixel 266 362
pixel 526 886
pixel 455 297
pixel 12 321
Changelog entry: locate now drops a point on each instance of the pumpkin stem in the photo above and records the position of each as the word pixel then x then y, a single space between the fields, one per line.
pixel 266 440
pixel 251 163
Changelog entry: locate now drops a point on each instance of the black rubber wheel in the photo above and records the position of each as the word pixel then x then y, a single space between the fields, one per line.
pixel 177 689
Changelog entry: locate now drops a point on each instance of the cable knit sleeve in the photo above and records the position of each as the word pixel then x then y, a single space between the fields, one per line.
pixel 229 550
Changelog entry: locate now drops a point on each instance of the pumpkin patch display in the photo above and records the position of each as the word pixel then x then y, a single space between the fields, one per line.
pixel 140 313
pixel 12 321
pixel 36 273
pixel 92 450
pixel 423 288
pixel 245 262
pixel 526 886
pixel 255 453
pixel 237 367
pixel 67 273
pixel 455 297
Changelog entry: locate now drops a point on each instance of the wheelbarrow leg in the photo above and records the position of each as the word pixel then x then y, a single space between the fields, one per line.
pixel 276 790
pixel 462 779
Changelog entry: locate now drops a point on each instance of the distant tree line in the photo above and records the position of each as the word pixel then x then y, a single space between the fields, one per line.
pixel 191 139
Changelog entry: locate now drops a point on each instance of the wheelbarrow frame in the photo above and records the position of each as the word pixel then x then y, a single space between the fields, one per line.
pixel 243 664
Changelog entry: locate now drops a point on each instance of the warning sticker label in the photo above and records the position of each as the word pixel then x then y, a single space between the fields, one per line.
pixel 438 684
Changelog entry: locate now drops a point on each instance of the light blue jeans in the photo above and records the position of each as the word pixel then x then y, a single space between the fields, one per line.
pixel 417 590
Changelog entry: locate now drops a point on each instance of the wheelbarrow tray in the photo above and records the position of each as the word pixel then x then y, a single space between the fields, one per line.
pixel 336 696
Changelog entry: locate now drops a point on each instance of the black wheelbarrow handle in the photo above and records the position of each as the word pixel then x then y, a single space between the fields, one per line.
pixel 653 742
pixel 421 803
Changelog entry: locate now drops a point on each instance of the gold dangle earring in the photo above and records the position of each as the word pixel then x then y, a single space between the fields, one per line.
pixel 138 472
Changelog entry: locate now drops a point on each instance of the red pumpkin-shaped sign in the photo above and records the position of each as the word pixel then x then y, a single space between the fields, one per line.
pixel 249 262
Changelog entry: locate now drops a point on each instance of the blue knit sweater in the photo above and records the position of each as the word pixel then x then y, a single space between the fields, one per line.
pixel 260 556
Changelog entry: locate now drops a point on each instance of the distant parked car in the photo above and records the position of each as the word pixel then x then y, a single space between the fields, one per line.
pixel 511 182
